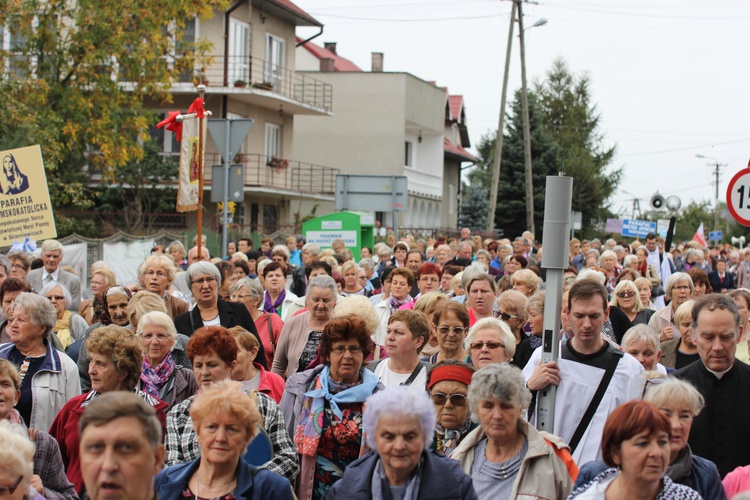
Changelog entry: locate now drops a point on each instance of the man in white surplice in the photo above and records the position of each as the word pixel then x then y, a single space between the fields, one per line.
pixel 582 363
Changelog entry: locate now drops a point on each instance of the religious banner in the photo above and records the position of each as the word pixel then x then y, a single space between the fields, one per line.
pixel 25 208
pixel 190 165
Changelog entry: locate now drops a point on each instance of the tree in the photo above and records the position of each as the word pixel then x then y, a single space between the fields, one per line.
pixel 569 116
pixel 474 206
pixel 78 74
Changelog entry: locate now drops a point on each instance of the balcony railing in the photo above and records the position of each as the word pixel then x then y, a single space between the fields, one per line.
pixel 265 76
pixel 295 176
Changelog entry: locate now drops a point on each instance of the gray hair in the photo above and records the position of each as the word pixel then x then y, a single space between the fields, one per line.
pixel 502 329
pixel 282 249
pixel 695 252
pixel 399 401
pixel 311 248
pixel 202 267
pixel 253 287
pixel 474 273
pixel 641 333
pixel 499 381
pixel 41 310
pixel 67 299
pixel 118 289
pixel 5 262
pixel 17 453
pixel 617 248
pixel 679 277
pixel 591 274
pixel 323 281
pixel 52 246
pixel 674 391
pixel 629 259
pixel 712 302
pixel 367 264
pixel 157 318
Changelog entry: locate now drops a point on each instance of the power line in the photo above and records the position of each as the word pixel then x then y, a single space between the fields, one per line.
pixel 685 149
pixel 412 20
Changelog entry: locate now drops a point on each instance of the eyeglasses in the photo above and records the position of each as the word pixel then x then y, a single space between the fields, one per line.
pixel 624 294
pixel 353 350
pixel 457 330
pixel 681 287
pixel 239 297
pixel 17 266
pixel 55 297
pixel 456 399
pixel 200 281
pixel 160 337
pixel 651 381
pixel 505 316
pixel 490 345
pixel 9 490
pixel 160 274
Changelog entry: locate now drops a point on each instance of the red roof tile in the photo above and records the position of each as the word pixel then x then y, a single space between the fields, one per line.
pixel 456 106
pixel 457 150
pixel 339 63
pixel 291 7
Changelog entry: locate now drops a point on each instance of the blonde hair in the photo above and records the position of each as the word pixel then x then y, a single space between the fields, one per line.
pixel 427 302
pixel 526 277
pixel 502 329
pixel 360 306
pixel 684 312
pixel 17 452
pixel 226 397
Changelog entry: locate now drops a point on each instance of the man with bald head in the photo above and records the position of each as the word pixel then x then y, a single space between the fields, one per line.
pixel 193 255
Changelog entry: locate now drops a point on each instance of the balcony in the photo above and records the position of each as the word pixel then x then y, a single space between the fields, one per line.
pixel 266 84
pixel 294 179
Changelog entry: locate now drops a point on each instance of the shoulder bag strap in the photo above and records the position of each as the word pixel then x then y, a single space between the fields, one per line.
pixel 598 395
pixel 414 374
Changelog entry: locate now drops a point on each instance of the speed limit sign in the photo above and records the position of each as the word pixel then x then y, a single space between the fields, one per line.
pixel 738 196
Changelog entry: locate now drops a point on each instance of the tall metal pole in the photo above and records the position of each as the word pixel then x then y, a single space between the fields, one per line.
pixel 716 196
pixel 225 212
pixel 526 128
pixel 501 123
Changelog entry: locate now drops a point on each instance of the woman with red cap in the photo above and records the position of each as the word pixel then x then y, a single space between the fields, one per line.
pixel 448 384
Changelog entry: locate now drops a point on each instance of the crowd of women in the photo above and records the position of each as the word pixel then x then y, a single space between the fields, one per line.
pixel 397 376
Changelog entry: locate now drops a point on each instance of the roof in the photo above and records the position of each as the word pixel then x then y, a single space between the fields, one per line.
pixel 303 18
pixel 456 104
pixel 458 151
pixel 339 63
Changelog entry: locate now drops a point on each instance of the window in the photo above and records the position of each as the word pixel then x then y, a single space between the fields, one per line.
pixel 13 41
pixel 273 141
pixel 239 51
pixel 408 152
pixel 274 73
pixel 270 218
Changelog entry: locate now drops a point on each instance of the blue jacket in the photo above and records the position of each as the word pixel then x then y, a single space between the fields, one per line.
pixel 252 482
pixel 442 478
pixel 704 477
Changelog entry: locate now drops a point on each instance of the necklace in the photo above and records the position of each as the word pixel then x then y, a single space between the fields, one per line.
pixel 622 495
pixel 209 490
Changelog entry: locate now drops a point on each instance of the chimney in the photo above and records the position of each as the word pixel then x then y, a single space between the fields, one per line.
pixel 377 62
pixel 330 46
pixel 326 65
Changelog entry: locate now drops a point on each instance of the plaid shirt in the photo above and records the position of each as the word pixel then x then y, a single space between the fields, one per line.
pixel 182 442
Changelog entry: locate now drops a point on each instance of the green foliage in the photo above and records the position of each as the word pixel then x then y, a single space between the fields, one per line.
pixel 474 206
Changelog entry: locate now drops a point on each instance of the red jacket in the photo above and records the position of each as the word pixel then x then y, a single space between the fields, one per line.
pixel 271 384
pixel 65 430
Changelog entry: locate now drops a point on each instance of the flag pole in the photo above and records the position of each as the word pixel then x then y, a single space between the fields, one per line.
pixel 201 124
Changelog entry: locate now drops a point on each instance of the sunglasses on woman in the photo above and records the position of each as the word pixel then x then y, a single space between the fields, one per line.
pixel 623 294
pixel 456 399
pixel 505 316
pixel 476 346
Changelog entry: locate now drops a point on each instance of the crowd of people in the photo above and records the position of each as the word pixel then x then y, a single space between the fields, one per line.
pixel 411 371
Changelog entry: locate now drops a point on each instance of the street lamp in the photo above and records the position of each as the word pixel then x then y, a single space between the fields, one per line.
pixel 716 166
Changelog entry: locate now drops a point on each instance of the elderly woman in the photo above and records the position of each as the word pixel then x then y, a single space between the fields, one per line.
pixel 20 265
pixel 277 297
pixel 480 293
pixel 679 290
pixel 426 304
pixel 161 376
pixel 511 309
pixel 252 375
pixel 626 297
pixel 398 427
pixel 741 297
pixel 50 377
pixel 115 365
pixel 49 471
pixel 637 446
pixel 176 250
pixel 608 261
pixel 213 352
pixel 210 310
pixel 448 385
pixel 323 406
pixel 91 309
pixel 535 315
pixel 158 274
pixel 350 272
pixel 680 402
pixel 300 337
pixel 682 351
pixel 407 333
pixel 646 270
pixel 490 341
pixel 69 327
pixel 16 460
pixel 249 292
pixel 506 457
pixel 226 420
pixel 642 342
pixel 525 281
pixel 451 323
pixel 645 287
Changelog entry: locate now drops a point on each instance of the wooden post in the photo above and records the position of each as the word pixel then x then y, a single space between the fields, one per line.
pixel 201 125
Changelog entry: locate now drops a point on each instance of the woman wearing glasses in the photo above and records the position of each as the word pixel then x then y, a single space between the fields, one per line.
pixel 626 297
pixel 69 326
pixel 535 313
pixel 451 321
pixel 511 309
pixel 249 292
pixel 204 279
pixel 448 385
pixel 490 341
pixel 323 406
pixel 505 456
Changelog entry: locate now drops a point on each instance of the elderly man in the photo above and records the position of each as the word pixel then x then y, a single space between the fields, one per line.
pixel 586 362
pixel 52 252
pixel 717 432
pixel 193 255
pixel 121 450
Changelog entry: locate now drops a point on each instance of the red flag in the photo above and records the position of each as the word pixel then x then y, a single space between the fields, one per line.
pixel 197 108
pixel 172 124
pixel 700 237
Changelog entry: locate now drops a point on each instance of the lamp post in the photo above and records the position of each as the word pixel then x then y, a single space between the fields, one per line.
pixel 716 166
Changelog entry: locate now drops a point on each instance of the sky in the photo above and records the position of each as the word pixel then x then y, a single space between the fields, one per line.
pixel 670 79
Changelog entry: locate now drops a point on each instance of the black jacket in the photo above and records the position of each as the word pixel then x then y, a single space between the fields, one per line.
pixel 230 314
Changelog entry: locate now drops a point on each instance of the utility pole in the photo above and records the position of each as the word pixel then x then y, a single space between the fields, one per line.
pixel 526 128
pixel 501 123
pixel 716 166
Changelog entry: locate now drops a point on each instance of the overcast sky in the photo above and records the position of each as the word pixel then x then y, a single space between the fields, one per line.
pixel 671 79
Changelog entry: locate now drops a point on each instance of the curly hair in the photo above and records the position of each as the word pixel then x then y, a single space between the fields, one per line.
pixel 406 273
pixel 215 339
pixel 122 347
pixel 226 398
pixel 341 329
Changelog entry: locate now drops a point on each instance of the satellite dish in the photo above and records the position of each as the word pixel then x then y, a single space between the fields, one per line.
pixel 673 203
pixel 657 202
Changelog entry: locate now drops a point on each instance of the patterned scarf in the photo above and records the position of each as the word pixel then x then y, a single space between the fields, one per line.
pixel 310 423
pixel 62 329
pixel 274 308
pixel 152 379
pixel 448 439
pixel 393 303
pixel 381 488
